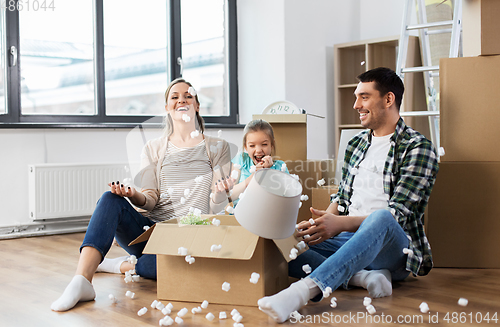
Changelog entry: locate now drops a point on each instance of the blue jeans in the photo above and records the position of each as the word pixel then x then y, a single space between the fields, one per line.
pixel 377 244
pixel 114 217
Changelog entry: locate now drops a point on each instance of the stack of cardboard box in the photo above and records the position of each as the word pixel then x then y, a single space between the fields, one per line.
pixel 462 223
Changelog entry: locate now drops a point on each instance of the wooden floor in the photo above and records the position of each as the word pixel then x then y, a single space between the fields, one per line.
pixel 35 271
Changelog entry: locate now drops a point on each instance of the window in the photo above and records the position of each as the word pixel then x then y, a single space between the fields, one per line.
pixel 102 63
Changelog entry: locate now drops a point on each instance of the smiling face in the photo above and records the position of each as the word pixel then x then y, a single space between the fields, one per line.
pixel 371 106
pixel 180 102
pixel 258 144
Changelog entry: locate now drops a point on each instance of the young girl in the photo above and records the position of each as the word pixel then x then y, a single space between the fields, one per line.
pixel 177 171
pixel 259 146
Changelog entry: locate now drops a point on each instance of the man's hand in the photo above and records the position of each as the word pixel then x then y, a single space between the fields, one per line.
pixel 324 227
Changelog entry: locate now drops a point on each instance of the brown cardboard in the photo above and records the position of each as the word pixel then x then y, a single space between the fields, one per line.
pixel 242 254
pixel 463 220
pixel 469 116
pixel 290 134
pixel 480 27
pixel 321 196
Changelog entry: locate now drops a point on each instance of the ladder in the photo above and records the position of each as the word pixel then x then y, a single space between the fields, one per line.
pixel 429 71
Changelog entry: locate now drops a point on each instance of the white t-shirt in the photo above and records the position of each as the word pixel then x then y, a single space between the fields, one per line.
pixel 368 186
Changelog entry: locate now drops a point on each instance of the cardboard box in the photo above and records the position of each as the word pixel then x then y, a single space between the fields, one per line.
pixel 469 116
pixel 290 134
pixel 463 220
pixel 480 27
pixel 321 196
pixel 242 254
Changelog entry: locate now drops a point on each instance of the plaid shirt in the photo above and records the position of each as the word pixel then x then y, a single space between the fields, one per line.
pixel 409 174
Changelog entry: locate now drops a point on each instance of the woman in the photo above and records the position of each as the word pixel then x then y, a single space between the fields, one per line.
pixel 178 171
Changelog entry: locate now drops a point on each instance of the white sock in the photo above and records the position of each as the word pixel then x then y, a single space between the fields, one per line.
pixel 280 305
pixel 111 265
pixel 377 282
pixel 79 289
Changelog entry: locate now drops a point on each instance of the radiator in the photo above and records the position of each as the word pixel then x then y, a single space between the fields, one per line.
pixel 69 190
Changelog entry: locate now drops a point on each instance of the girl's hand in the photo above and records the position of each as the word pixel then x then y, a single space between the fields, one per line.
pixel 267 162
pixel 121 190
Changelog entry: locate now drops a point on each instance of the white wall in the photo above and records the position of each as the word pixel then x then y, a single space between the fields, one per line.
pixel 285 50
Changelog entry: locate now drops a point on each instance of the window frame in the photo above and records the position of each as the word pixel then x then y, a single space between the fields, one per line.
pixel 15 119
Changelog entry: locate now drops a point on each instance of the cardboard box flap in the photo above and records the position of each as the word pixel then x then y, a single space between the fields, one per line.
pixel 144 236
pixel 282 118
pixel 285 245
pixel 236 241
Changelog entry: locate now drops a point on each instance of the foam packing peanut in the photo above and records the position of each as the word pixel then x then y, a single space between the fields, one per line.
pixel 424 307
pixel 145 227
pixel 166 311
pixel 327 292
pixel 127 279
pixel 237 324
pixel 408 251
pixel 219 133
pixel 283 167
pixel 186 118
pixel 237 317
pixel 112 298
pixel 194 134
pixel 252 169
pixel 153 304
pixel 186 192
pixel 215 222
pixel 142 311
pixel 182 312
pixel 311 221
pixel 321 182
pixel 222 315
pixel 183 200
pixel 160 306
pixel 230 210
pixel 304 197
pixel 170 190
pixel 210 316
pixel 301 245
pixel 234 174
pixel 130 294
pixel 169 306
pixel 306 268
pixel 367 301
pixel 136 278
pixel 132 259
pixel 204 304
pixel 300 205
pixel 167 321
pixel 179 320
pixel 198 179
pixel 215 248
pixel 226 286
pixel 371 309
pixel 196 310
pixel 192 91
pixel 234 312
pixel 333 303
pixel 182 251
pixel 463 302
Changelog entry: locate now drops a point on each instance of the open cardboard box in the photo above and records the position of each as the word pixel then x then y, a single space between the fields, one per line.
pixel 242 254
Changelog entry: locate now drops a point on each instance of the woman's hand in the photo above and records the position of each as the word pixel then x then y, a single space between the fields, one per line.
pixel 222 189
pixel 122 190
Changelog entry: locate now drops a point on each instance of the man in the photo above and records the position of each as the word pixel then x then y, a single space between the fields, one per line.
pixel 372 231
